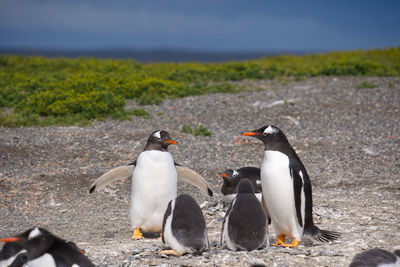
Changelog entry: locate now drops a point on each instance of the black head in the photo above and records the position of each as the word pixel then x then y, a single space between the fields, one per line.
pixel 272 136
pixel 231 176
pixel 159 140
pixel 245 186
pixel 35 240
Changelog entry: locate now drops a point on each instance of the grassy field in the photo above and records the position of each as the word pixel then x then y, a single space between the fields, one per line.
pixel 42 91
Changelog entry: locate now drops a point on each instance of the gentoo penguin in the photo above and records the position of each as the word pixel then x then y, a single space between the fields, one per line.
pixel 245 222
pixel 376 257
pixel 184 228
pixel 286 189
pixel 231 179
pixel 13 254
pixel 154 183
pixel 39 247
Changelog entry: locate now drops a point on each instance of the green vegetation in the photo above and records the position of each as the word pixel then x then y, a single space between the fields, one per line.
pixel 41 91
pixel 200 130
pixel 366 84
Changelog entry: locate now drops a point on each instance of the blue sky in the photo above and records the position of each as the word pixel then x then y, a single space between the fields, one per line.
pixel 200 24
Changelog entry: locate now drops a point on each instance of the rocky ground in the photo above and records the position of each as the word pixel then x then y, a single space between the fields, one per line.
pixel 348 139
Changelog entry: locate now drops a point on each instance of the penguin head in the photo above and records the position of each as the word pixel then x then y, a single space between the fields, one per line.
pixel 269 134
pixel 231 176
pixel 35 239
pixel 245 186
pixel 159 140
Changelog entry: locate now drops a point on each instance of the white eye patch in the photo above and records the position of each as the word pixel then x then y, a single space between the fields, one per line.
pixel 157 134
pixel 34 233
pixel 235 173
pixel 270 130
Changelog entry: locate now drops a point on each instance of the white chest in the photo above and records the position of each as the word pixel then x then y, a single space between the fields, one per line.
pixel 44 260
pixel 154 184
pixel 277 188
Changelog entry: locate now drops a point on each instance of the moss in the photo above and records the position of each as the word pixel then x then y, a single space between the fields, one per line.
pixel 89 88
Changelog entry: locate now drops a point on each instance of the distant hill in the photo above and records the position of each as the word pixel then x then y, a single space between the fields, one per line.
pixel 153 55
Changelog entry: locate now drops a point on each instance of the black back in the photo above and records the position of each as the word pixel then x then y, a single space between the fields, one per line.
pixel 247 224
pixel 231 182
pixel 188 224
pixel 373 257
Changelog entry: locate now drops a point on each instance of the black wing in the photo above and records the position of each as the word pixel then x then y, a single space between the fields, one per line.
pixel 166 214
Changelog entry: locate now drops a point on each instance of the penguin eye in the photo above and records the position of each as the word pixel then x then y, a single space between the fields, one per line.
pixel 265 134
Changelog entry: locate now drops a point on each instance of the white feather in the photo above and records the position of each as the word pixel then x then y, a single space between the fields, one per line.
pixel 7 262
pixel 157 134
pixel 154 184
pixel 44 260
pixel 225 234
pixel 277 189
pixel 228 198
pixel 34 233
pixel 270 130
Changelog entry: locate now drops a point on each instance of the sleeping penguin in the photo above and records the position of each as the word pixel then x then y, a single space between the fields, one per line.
pixel 154 183
pixel 184 227
pixel 286 189
pixel 232 178
pixel 39 247
pixel 376 257
pixel 245 222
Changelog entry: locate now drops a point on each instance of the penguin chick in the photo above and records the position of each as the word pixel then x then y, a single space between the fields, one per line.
pixel 42 248
pixel 286 189
pixel 231 179
pixel 245 222
pixel 376 257
pixel 184 227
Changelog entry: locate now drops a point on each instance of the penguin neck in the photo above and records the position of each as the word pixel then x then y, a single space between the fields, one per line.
pixel 155 146
pixel 284 148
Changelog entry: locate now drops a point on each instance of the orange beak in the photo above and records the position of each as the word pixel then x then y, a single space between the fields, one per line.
pixel 224 175
pixel 82 251
pixel 9 239
pixel 249 134
pixel 172 142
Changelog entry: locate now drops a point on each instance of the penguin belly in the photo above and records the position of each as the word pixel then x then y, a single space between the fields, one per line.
pixel 154 184
pixel 277 189
pixel 44 260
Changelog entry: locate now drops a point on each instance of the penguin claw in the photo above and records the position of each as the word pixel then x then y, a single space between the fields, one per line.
pixel 137 234
pixel 170 252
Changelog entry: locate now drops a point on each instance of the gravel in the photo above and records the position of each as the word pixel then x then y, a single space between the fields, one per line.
pixel 347 138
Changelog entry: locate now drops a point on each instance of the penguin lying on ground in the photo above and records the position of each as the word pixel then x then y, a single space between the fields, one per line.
pixel 154 183
pixel 376 257
pixel 245 222
pixel 39 247
pixel 286 189
pixel 232 178
pixel 184 227
pixel 13 254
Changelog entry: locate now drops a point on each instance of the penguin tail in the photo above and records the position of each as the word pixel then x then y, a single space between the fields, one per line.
pixel 121 172
pixel 322 235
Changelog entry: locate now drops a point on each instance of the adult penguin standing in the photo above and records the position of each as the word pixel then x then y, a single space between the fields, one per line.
pixel 154 183
pixel 286 188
